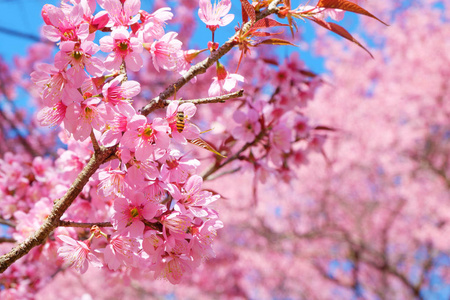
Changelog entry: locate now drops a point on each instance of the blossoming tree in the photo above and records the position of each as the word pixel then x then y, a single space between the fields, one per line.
pixel 147 122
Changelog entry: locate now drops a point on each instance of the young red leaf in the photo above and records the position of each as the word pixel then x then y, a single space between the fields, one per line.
pixel 267 23
pixel 308 73
pixel 339 30
pixel 347 6
pixel 249 11
pixel 263 33
pixel 275 42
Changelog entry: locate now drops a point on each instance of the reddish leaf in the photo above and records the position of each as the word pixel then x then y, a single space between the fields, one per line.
pixel 263 33
pixel 275 42
pixel 347 6
pixel 270 61
pixel 338 30
pixel 249 11
pixel 308 73
pixel 267 23
pixel 321 127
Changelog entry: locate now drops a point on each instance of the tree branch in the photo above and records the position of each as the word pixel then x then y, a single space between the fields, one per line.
pixel 83 225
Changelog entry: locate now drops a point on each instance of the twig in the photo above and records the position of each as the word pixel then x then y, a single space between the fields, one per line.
pixel 7 222
pixel 218 99
pixel 7 240
pixel 83 225
pixel 94 142
pixel 16 33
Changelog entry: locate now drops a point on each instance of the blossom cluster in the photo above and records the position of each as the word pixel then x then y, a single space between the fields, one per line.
pixel 146 205
pixel 159 213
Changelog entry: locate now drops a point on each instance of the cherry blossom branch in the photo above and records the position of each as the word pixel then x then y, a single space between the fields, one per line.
pixel 7 222
pixel 58 210
pixel 7 240
pixel 22 140
pixel 83 225
pixel 201 67
pixel 16 33
pixel 217 99
pixel 102 154
pixel 94 142
pixel 215 167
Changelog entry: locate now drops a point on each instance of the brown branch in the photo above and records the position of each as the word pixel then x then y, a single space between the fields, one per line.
pixel 83 225
pixel 7 222
pixel 7 240
pixel 94 142
pixel 58 210
pixel 201 67
pixel 218 99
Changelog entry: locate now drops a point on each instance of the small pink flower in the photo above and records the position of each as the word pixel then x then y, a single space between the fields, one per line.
pixel 120 251
pixel 111 181
pixel 52 116
pixel 177 168
pixel 122 15
pixel 224 82
pixel 130 213
pixel 122 48
pixel 166 51
pixel 79 56
pixel 116 123
pixel 215 15
pixel 147 140
pixel 153 24
pixel 173 268
pixel 77 254
pixel 187 110
pixel 55 85
pixel 249 126
pixel 194 198
pixel 64 25
pixel 82 118
pixel 116 91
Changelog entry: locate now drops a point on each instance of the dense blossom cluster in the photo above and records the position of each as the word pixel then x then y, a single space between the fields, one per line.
pixel 145 206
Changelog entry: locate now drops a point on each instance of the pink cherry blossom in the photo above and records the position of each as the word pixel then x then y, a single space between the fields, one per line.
pixel 119 91
pixel 65 25
pixel 116 123
pixel 249 126
pixel 215 15
pixel 121 15
pixel 122 48
pixel 153 24
pixel 224 82
pixel 147 140
pixel 129 213
pixel 166 51
pixel 82 118
pixel 54 85
pixel 112 181
pixel 77 254
pixel 52 116
pixel 121 251
pixel 177 168
pixel 79 56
